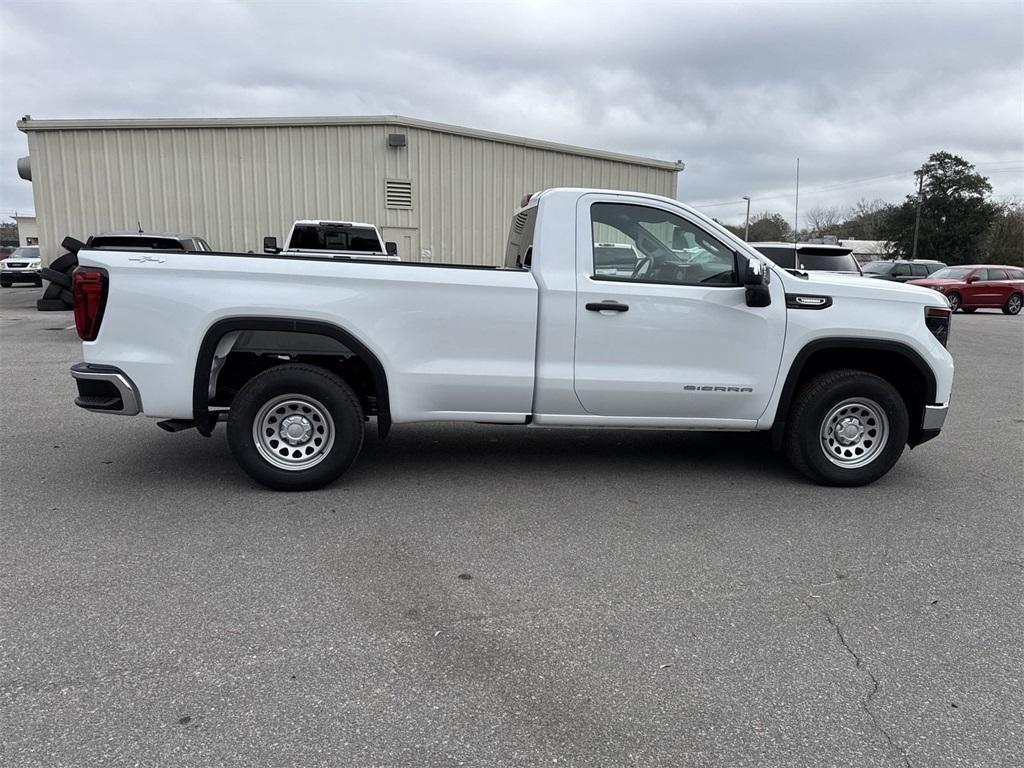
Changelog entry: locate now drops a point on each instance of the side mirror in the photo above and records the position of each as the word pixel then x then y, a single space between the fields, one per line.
pixel 270 245
pixel 973 279
pixel 391 248
pixel 756 277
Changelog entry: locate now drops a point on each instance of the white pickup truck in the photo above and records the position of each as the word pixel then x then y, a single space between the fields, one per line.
pixel 296 353
pixel 344 239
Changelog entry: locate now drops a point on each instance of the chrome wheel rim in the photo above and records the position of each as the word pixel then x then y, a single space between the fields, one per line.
pixel 954 302
pixel 854 432
pixel 293 432
pixel 1014 304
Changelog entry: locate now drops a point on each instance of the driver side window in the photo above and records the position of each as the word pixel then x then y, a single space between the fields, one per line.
pixel 641 244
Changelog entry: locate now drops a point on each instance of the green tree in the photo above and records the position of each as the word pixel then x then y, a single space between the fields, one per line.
pixel 1003 243
pixel 955 212
pixel 8 233
pixel 769 227
pixel 736 229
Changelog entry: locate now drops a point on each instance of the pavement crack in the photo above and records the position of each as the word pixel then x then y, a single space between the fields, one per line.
pixel 875 684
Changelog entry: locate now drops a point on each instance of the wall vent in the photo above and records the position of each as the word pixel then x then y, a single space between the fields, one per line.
pixel 398 193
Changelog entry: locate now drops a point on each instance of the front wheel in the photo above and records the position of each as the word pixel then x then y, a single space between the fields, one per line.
pixel 954 301
pixel 1013 305
pixel 295 427
pixel 846 428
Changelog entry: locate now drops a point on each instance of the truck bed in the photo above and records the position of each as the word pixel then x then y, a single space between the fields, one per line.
pixel 414 317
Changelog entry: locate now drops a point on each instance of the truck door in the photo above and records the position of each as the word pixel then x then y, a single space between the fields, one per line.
pixel 673 337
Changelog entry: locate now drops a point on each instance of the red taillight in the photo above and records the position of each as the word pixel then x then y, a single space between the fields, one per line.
pixel 89 288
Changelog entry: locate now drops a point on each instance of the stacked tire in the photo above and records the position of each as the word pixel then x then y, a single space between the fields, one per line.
pixel 58 296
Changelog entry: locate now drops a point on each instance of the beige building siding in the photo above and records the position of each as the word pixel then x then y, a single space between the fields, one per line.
pixel 233 184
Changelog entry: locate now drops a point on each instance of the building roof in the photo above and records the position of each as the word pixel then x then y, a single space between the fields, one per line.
pixel 27 125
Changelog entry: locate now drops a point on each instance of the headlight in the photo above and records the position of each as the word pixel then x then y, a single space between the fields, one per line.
pixel 937 320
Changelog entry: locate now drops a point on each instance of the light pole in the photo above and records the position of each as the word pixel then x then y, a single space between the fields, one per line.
pixel 746 227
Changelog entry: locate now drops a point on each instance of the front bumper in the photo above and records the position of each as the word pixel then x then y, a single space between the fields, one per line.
pixel 932 419
pixel 105 389
pixel 21 276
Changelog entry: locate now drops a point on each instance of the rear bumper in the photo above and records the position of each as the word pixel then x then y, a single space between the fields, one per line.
pixel 105 389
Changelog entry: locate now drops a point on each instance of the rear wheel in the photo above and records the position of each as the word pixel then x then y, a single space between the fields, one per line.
pixel 295 427
pixel 954 301
pixel 847 428
pixel 1013 304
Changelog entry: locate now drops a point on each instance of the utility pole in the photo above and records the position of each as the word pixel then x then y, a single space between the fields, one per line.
pixel 917 219
pixel 746 227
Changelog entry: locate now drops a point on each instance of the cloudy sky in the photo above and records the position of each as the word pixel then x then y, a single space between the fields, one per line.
pixel 861 92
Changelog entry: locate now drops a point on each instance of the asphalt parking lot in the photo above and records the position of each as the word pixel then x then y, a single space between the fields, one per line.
pixel 490 596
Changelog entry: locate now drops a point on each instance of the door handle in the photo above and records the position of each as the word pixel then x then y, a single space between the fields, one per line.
pixel 607 306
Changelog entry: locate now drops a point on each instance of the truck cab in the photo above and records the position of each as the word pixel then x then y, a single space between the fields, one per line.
pixel 344 239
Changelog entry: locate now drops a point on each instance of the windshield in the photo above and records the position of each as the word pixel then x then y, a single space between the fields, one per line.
pixel 877 267
pixel 136 241
pixel 31 252
pixel 825 261
pixel 951 273
pixel 810 258
pixel 315 237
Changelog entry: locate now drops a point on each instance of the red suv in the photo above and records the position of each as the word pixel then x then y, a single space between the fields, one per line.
pixel 974 286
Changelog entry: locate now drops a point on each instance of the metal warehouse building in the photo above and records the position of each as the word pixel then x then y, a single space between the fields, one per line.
pixel 442 192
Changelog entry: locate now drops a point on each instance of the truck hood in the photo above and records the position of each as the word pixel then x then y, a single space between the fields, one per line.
pixel 855 286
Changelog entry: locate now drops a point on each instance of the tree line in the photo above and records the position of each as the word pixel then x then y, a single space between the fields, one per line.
pixel 959 221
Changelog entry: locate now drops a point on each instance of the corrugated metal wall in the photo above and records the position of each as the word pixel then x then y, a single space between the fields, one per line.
pixel 233 185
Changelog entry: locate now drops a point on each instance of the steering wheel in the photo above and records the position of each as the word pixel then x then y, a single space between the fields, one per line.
pixel 642 263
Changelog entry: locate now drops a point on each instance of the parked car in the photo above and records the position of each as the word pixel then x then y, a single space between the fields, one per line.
pixel 811 257
pixel 901 270
pixel 976 286
pixel 22 266
pixel 296 352
pixel 153 241
pixel 342 239
pixel 6 250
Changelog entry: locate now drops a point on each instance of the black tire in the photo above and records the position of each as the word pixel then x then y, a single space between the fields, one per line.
pixel 340 426
pixel 5 285
pixel 64 263
pixel 52 292
pixel 68 298
pixel 954 300
pixel 57 278
pixel 1013 304
pixel 969 310
pixel 846 397
pixel 51 305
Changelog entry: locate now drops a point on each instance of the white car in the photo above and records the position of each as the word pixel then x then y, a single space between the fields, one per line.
pixel 341 239
pixel 22 266
pixel 295 353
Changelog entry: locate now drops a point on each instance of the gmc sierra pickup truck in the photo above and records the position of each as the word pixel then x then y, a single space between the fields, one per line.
pixel 296 353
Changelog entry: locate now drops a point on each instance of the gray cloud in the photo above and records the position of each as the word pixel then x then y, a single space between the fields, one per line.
pixel 857 90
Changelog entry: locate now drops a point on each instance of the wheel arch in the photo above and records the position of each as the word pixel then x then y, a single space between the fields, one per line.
pixel 328 332
pixel 901 365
